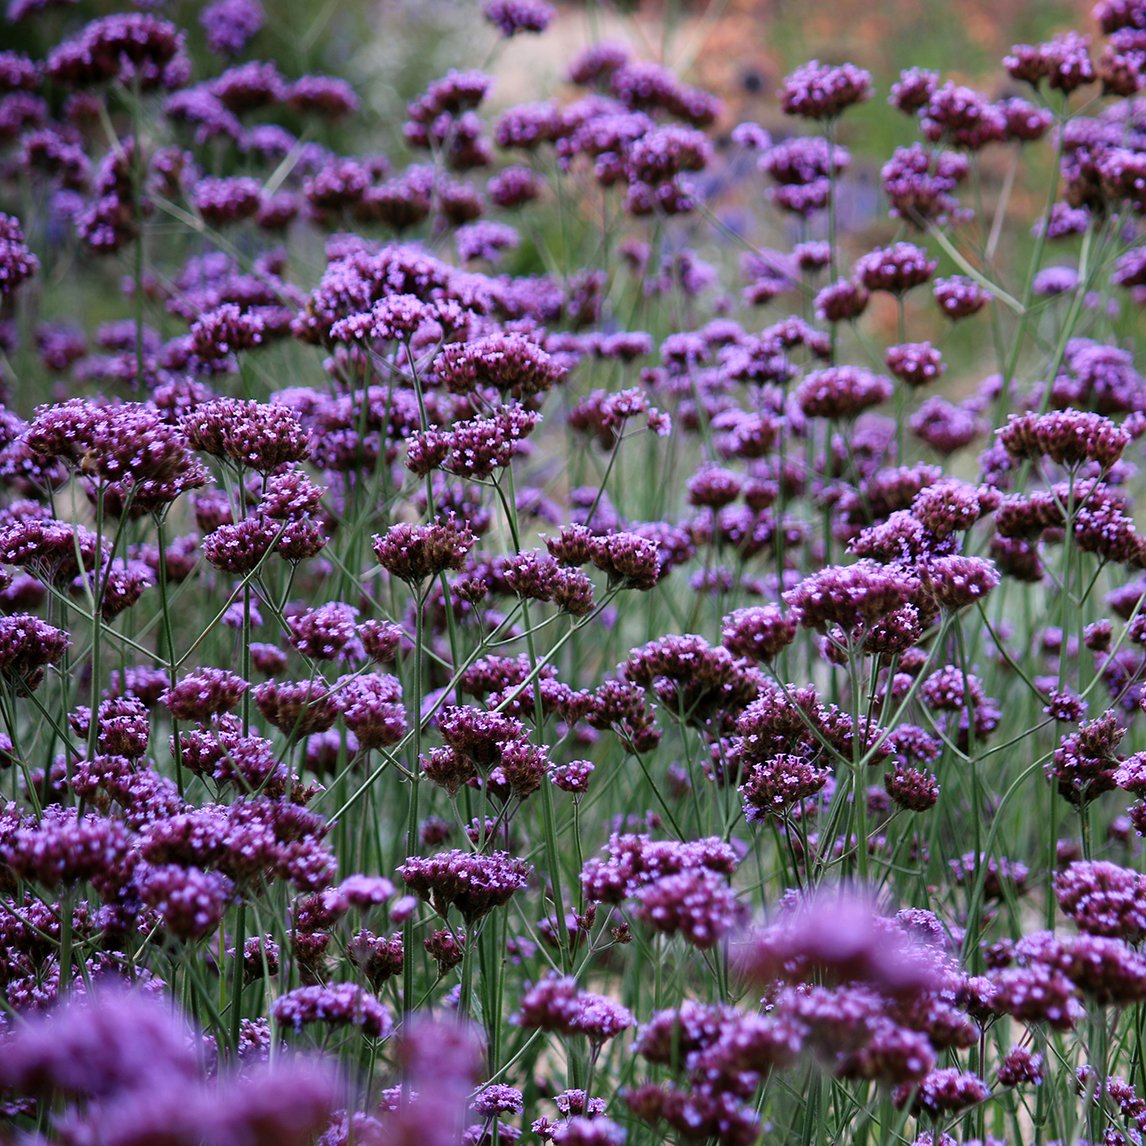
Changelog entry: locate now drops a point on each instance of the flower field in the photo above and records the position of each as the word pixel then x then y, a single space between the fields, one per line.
pixel 611 616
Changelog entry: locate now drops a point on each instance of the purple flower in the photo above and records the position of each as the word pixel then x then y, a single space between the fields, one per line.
pixel 27 647
pixel 327 96
pixel 1103 899
pixel 99 1045
pixel 943 1091
pixel 337 1004
pixel 297 708
pixel 17 263
pixel 474 884
pixel 372 709
pixel 819 91
pixel 913 90
pixel 1069 437
pixel 634 861
pixel 514 365
pixel 841 301
pixel 851 595
pixel 326 633
pixel 919 183
pixel 556 1004
pixel 915 363
pixel 511 17
pixel 912 789
pixel 262 436
pixel 955 582
pixel 416 553
pixel 895 269
pixel 773 787
pixel 959 297
pixel 230 24
pixel 961 117
pixel 190 902
pixel 129 47
pixel 841 392
pixel 204 693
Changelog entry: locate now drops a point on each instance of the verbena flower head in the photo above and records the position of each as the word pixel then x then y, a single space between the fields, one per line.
pixel 1069 437
pixel 896 269
pixel 851 595
pixel 915 363
pixel 129 48
pixel 512 17
pixel 820 91
pixel 204 693
pixel 474 884
pixel 17 263
pixel 416 553
pixel 336 1004
pixel 841 939
pixel 230 24
pixel 259 435
pixel 959 297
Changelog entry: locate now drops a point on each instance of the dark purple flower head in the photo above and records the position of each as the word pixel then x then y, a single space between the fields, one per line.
pixel 416 553
pixel 556 1004
pixel 1024 122
pixel 1103 899
pixel 914 363
pixel 510 363
pixel 851 595
pixel 1052 281
pixel 190 903
pixel 919 183
pixel 840 939
pixel 802 168
pixel 98 1045
pixel 326 633
pixel 758 632
pixel 67 848
pixel 962 118
pixel 297 708
pixel 372 709
pixel 954 582
pixel 204 693
pixel 224 201
pixel 1069 437
pixel 27 647
pixel 627 558
pixel 841 392
pixel 230 24
pixel 588 1131
pixel 474 884
pixel 1063 62
pixel 959 297
pixel 511 17
pixel 474 448
pixel 131 48
pixel 913 789
pixel 327 96
pixel 773 787
pixel 224 331
pixel 336 1004
pixel 913 90
pixel 17 263
pixel 944 1091
pixel 262 436
pixel 841 301
pixel 1020 1066
pixel 895 269
pixel 820 91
